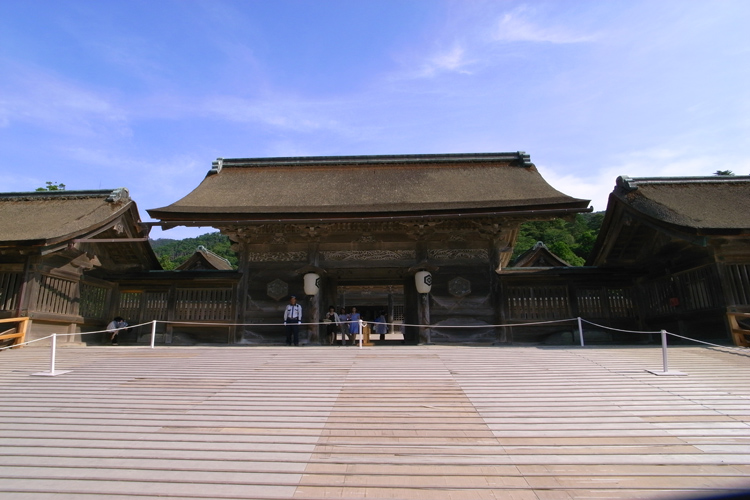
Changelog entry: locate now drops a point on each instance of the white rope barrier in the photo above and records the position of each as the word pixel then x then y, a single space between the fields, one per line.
pixel 614 329
pixel 104 331
pixel 360 325
pixel 25 343
pixel 740 349
pixel 488 325
pixel 203 323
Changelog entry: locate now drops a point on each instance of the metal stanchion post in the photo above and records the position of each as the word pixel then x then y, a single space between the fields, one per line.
pixel 153 333
pixel 53 353
pixel 665 364
pixel 361 334
pixel 580 330
pixel 52 372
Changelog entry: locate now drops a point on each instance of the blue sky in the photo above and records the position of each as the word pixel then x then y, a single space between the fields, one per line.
pixel 145 94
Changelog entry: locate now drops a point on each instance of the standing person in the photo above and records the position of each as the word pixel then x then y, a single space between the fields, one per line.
pixel 354 317
pixel 381 328
pixel 114 327
pixel 292 319
pixel 343 326
pixel 332 324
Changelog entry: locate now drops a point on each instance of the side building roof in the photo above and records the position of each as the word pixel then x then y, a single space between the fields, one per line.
pixel 688 208
pixel 539 256
pixel 346 187
pixel 205 259
pixel 42 222
pixel 716 203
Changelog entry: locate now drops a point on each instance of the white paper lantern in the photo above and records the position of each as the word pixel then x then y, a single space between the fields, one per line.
pixel 312 284
pixel 423 280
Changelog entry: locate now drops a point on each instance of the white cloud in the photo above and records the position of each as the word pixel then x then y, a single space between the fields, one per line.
pixel 285 114
pixel 478 36
pixel 452 60
pixel 168 180
pixel 47 100
pixel 597 183
pixel 515 26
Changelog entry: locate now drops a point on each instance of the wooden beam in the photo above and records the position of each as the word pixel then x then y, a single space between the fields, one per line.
pixel 109 240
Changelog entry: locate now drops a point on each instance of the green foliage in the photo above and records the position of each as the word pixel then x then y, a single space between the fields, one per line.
pixel 52 186
pixel 172 253
pixel 724 172
pixel 571 241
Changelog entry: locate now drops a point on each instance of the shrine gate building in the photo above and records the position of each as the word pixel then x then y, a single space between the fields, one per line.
pixel 365 225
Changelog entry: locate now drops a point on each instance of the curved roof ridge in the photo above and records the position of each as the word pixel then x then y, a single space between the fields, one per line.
pixel 630 183
pixel 110 194
pixel 519 157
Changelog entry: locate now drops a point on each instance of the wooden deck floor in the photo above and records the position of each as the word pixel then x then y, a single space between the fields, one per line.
pixel 428 422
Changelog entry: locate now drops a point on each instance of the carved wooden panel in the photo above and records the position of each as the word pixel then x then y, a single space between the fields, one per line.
pixel 349 255
pixel 276 256
pixel 454 254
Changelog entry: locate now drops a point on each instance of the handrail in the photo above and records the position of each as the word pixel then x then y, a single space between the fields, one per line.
pixel 19 336
pixel 740 334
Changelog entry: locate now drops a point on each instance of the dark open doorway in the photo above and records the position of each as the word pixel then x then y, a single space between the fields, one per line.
pixel 370 301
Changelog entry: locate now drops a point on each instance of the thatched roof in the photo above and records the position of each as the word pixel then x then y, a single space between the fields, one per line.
pixel 48 217
pixel 672 219
pixel 701 203
pixel 103 224
pixel 205 259
pixel 368 186
pixel 539 256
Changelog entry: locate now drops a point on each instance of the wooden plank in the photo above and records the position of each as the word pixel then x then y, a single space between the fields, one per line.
pixel 431 422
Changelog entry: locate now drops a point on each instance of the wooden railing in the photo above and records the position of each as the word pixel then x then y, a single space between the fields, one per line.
pixel 17 334
pixel 740 333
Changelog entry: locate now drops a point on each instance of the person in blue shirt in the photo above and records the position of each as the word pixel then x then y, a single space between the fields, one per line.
pixel 381 327
pixel 354 317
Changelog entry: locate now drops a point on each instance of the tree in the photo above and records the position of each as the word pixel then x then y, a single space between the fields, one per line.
pixel 52 186
pixel 571 241
pixel 172 253
pixel 724 172
pixel 166 263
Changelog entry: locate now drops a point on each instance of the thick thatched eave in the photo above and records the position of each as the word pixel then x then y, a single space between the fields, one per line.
pixel 687 211
pixel 45 222
pixel 357 187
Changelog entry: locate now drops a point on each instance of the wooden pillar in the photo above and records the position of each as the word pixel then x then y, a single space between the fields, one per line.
pixel 389 317
pixel 171 305
pixel 314 302
pixel 497 245
pixel 424 318
pixel 411 311
pixel 313 316
pixel 504 334
pixel 242 290
pixel 22 305
pixel 500 252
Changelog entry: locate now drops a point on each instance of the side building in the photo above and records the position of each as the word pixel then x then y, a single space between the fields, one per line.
pixel 365 226
pixel 60 253
pixel 686 242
